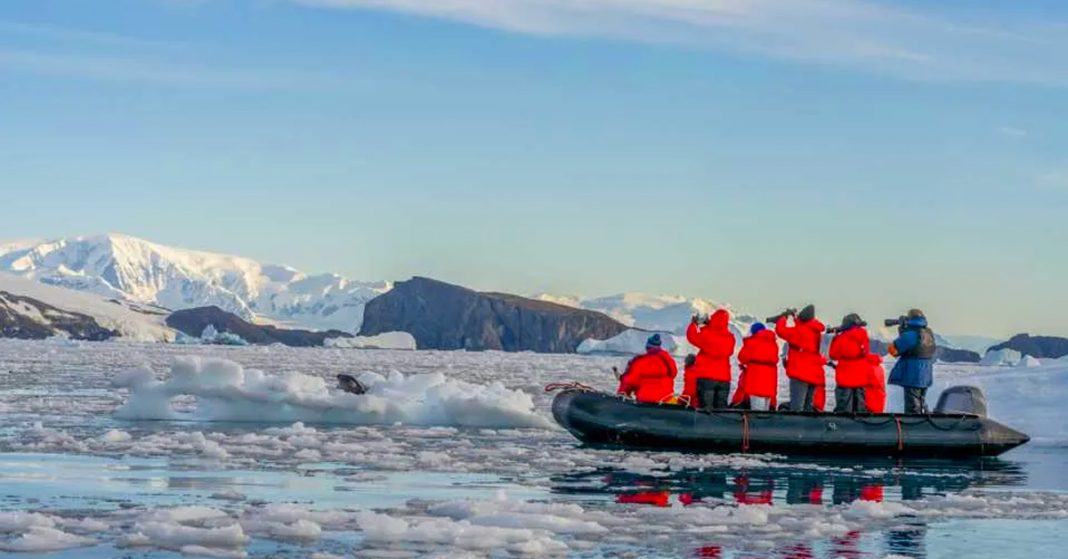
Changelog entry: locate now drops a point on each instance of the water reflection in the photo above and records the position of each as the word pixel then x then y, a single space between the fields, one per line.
pixel 803 483
pixel 794 482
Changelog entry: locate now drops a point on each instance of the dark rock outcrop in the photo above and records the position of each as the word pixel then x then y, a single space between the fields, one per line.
pixel 193 322
pixel 29 319
pixel 1041 347
pixel 445 316
pixel 954 355
pixel 942 353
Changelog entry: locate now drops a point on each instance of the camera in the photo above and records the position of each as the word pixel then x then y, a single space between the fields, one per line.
pixel 839 329
pixel 895 321
pixel 787 312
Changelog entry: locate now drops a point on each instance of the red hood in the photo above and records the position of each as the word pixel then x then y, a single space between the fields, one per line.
pixel 719 319
pixel 813 324
pixel 769 334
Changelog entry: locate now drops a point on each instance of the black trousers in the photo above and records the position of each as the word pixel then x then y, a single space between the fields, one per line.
pixel 802 395
pixel 915 400
pixel 712 394
pixel 849 400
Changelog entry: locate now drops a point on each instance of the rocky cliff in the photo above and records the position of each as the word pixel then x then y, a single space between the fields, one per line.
pixel 942 353
pixel 1042 347
pixel 445 316
pixel 193 322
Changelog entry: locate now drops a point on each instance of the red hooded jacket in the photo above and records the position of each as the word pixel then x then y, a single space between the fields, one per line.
pixel 875 391
pixel 851 349
pixel 716 345
pixel 760 357
pixel 803 362
pixel 650 377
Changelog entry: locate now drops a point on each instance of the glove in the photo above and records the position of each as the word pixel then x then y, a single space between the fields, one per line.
pixel 693 319
pixel 892 350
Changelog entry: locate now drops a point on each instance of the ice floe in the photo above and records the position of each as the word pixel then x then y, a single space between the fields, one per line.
pixel 226 391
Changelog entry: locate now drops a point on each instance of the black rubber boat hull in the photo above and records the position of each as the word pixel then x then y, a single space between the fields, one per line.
pixel 598 418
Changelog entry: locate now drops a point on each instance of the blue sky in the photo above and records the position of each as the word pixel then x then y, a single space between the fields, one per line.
pixel 862 155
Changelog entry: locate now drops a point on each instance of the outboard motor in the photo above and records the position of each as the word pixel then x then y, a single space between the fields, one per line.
pixel 962 399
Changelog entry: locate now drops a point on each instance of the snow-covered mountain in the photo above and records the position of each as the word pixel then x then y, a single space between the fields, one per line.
pixel 57 311
pixel 662 313
pixel 131 269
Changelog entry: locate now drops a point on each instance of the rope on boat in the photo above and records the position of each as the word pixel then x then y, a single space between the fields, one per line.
pixel 553 386
pixel 900 434
pixel 745 432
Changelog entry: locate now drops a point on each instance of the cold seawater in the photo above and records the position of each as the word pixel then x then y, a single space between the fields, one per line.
pixel 441 461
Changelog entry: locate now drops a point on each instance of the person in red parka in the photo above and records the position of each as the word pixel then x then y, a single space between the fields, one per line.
pixel 804 363
pixel 708 382
pixel 875 391
pixel 851 349
pixel 650 377
pixel 759 359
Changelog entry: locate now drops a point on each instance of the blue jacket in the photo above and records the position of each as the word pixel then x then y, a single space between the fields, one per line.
pixel 911 372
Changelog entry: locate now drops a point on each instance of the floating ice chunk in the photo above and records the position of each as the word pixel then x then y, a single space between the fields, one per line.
pixel 501 512
pixel 383 529
pixel 226 391
pixel 299 530
pixel 1028 361
pixel 1001 358
pixel 293 522
pixel 548 522
pixel 43 538
pixel 116 436
pixel 19 521
pixel 201 551
pixel 174 535
pixel 229 495
pixel 386 340
pixel 632 342
pixel 84 525
pixel 877 510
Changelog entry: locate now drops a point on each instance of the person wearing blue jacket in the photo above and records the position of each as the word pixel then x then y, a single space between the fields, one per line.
pixel 915 352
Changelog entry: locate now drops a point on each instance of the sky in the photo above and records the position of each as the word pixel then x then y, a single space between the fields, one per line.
pixel 865 156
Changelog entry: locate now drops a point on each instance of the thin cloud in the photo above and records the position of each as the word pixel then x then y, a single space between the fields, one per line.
pixel 1012 132
pixel 77 53
pixel 126 68
pixel 865 35
pixel 55 33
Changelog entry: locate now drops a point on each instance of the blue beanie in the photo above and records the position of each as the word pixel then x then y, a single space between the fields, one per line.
pixel 653 341
pixel 757 327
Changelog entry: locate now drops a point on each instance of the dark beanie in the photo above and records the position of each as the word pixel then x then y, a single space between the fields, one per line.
pixel 850 320
pixel 757 327
pixel 808 313
pixel 653 341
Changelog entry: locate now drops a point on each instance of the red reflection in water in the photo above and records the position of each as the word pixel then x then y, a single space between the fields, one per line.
pixel 798 551
pixel 848 546
pixel 744 497
pixel 709 551
pixel 872 493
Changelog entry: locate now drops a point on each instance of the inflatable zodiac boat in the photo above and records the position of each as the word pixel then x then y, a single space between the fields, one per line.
pixel 958 428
